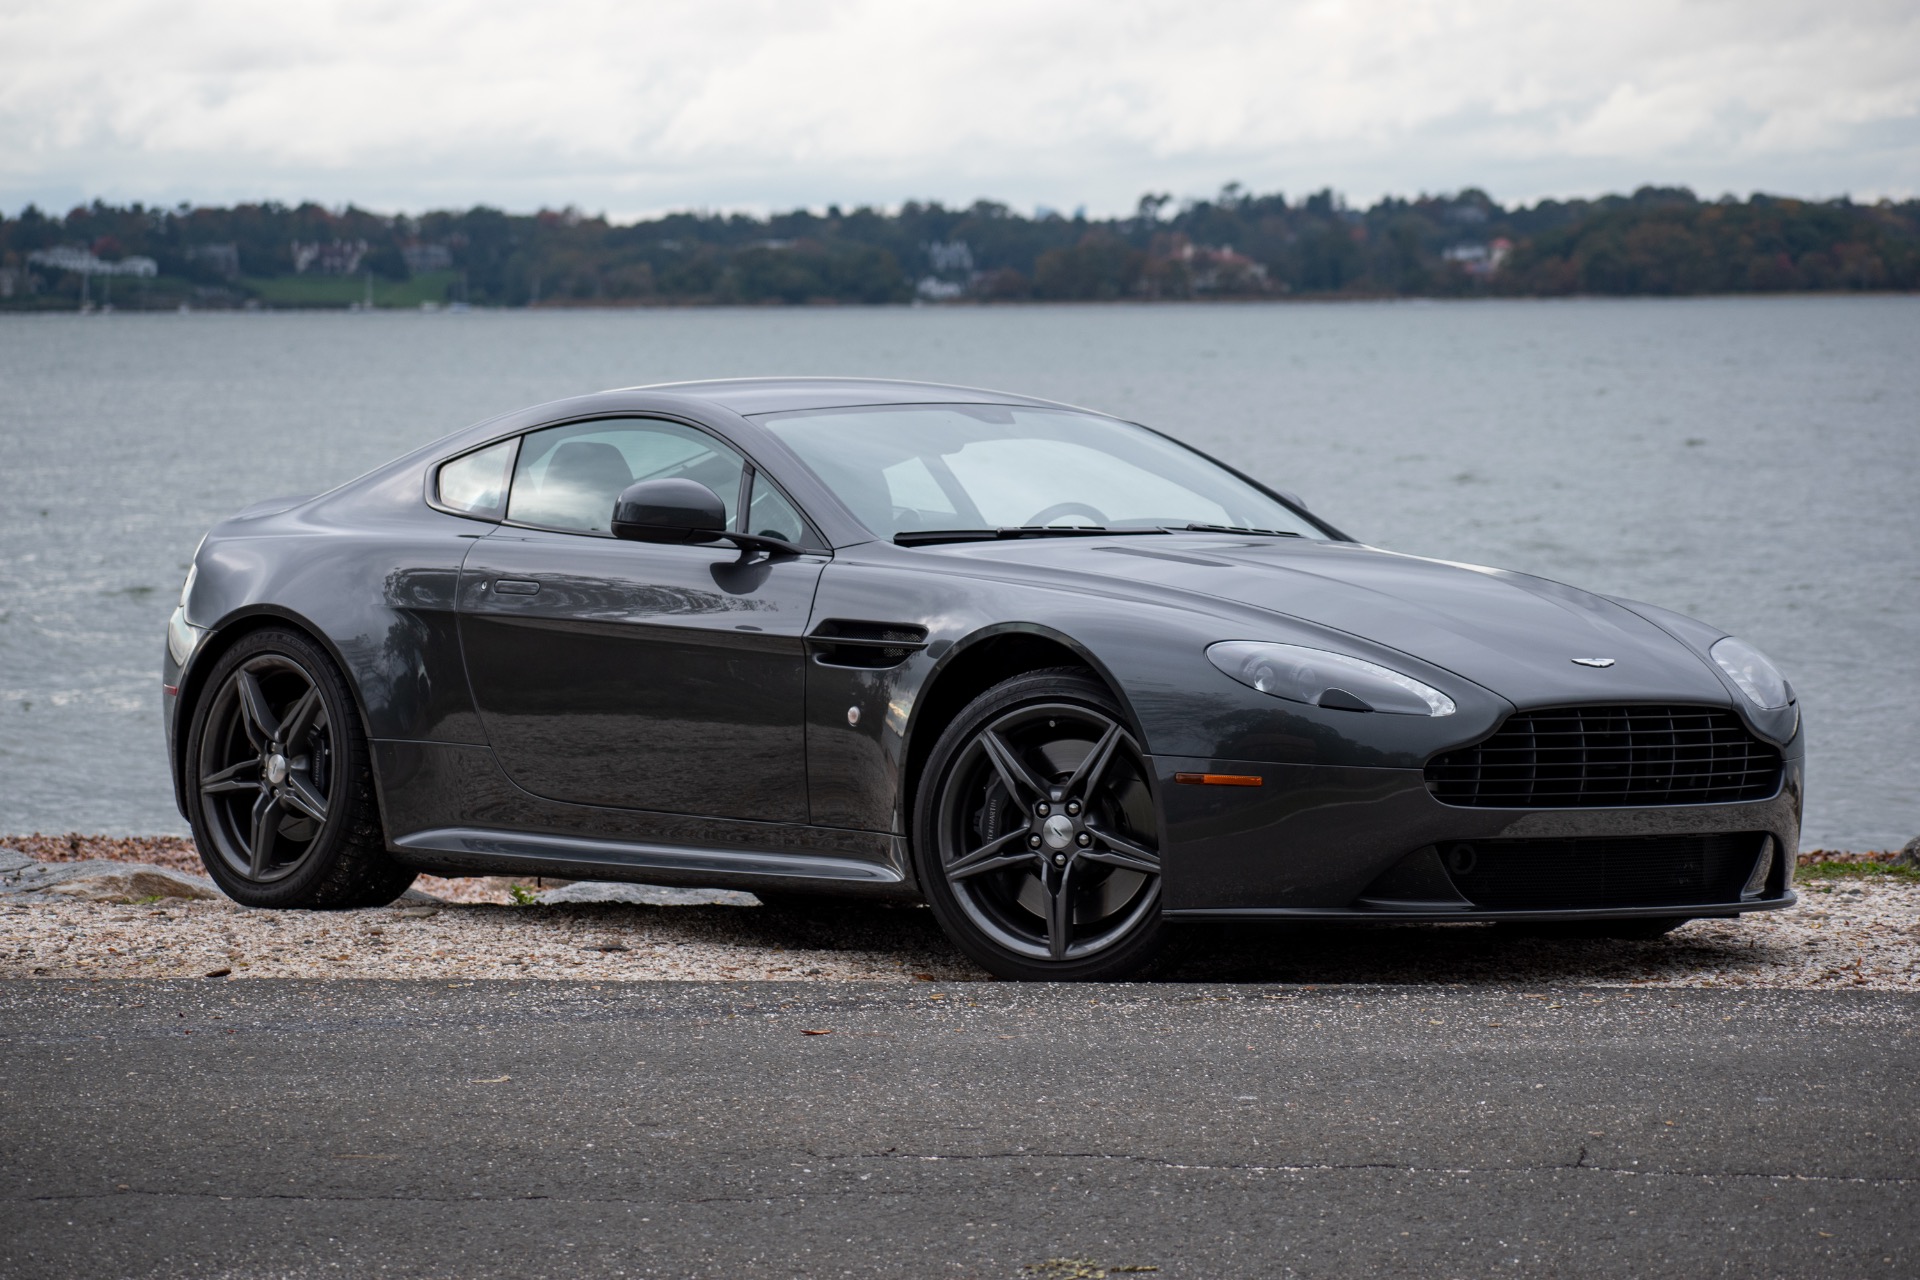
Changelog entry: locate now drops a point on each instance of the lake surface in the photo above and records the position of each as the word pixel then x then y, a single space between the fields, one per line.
pixel 1754 462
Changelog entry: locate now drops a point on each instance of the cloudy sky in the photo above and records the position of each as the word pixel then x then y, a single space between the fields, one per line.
pixel 636 106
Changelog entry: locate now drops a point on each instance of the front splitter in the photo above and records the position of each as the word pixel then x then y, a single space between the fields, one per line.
pixel 1469 915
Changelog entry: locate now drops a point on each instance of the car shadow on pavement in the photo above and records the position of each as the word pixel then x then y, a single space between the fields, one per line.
pixel 1717 951
pixel 1459 953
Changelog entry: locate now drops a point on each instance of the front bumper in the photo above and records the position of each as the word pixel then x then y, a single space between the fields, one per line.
pixel 183 642
pixel 1333 842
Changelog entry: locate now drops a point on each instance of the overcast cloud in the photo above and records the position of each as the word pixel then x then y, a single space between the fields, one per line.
pixel 642 105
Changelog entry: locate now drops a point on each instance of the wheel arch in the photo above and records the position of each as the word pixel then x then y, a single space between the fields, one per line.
pixel 221 637
pixel 976 664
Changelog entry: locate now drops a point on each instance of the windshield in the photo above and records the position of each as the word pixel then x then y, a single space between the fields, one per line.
pixel 917 467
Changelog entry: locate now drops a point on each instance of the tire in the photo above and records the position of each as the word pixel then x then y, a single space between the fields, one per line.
pixel 1035 836
pixel 279 783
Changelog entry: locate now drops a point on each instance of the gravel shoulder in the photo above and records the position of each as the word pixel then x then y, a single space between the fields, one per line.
pixel 1847 933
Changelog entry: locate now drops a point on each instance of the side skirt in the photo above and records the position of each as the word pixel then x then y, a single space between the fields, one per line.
pixel 474 850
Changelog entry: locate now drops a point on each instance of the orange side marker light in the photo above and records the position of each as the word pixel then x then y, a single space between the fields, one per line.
pixel 1221 779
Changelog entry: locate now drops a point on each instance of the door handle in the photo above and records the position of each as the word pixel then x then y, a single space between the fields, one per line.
pixel 516 587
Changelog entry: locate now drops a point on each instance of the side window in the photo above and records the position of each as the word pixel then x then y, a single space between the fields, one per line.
pixel 476 483
pixel 568 477
pixel 770 515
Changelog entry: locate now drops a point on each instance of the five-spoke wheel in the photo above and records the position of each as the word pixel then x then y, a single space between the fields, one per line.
pixel 279 790
pixel 1036 839
pixel 265 768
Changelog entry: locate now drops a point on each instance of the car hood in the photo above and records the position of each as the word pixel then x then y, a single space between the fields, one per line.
pixel 1512 633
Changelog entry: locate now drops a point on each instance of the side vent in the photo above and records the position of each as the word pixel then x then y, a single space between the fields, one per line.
pixel 874 646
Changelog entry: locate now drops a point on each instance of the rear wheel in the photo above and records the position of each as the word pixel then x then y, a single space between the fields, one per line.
pixel 1035 837
pixel 279 783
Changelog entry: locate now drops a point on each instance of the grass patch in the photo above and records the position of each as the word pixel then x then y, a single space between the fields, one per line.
pixel 343 291
pixel 1836 870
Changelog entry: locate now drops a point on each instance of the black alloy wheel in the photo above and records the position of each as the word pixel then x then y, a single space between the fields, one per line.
pixel 1035 840
pixel 279 785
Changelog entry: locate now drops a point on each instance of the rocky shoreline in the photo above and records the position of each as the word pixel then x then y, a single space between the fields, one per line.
pixel 177 853
pixel 74 906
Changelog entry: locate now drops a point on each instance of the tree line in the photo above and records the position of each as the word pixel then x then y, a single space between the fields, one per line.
pixel 1239 244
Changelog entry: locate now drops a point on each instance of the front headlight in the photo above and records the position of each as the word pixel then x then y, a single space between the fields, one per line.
pixel 1323 679
pixel 186 588
pixel 1758 678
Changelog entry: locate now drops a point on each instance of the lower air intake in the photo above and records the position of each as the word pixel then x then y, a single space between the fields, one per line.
pixel 1595 873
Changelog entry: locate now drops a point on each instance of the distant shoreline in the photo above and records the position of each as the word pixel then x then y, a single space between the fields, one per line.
pixel 1659 241
pixel 971 304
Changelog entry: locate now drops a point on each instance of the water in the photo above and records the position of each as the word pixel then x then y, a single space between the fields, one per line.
pixel 1751 461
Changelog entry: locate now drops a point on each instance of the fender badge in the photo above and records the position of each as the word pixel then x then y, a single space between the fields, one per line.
pixel 1594 662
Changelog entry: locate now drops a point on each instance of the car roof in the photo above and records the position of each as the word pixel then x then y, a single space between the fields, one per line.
pixel 746 396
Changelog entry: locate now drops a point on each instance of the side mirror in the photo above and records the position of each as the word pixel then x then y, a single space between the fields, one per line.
pixel 1293 497
pixel 669 511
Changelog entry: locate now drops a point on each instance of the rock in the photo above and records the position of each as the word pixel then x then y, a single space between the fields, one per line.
pixel 651 895
pixel 137 883
pixel 1909 855
pixel 101 881
pixel 13 860
pixel 419 898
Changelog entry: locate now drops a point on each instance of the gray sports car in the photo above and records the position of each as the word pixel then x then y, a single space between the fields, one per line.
pixel 1061 677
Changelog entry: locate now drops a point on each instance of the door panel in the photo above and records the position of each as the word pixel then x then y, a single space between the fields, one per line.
pixel 641 675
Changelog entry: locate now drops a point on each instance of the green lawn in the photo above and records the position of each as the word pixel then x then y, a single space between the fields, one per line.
pixel 1835 870
pixel 342 291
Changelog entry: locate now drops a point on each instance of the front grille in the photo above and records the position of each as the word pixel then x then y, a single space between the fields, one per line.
pixel 1581 757
pixel 1591 873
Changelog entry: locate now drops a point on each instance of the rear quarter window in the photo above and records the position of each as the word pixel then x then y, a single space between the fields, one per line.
pixel 475 484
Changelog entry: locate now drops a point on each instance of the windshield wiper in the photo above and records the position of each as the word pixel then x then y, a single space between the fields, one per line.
pixel 1229 528
pixel 927 537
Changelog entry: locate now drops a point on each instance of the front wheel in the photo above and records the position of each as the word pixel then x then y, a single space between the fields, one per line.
pixel 1034 835
pixel 279 784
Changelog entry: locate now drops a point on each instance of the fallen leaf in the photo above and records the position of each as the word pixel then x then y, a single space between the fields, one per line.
pixel 816 1033
pixel 218 973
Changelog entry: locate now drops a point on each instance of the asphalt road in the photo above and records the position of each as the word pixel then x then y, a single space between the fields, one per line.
pixel 267 1128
